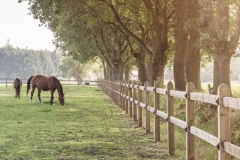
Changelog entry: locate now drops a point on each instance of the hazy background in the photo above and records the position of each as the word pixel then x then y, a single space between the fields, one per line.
pixel 21 29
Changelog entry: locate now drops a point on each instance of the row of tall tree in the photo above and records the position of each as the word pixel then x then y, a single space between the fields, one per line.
pixel 27 62
pixel 149 34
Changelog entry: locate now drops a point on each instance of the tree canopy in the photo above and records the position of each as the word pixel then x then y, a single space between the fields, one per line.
pixel 146 33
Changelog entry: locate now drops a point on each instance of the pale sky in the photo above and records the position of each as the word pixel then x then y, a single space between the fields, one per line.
pixel 21 29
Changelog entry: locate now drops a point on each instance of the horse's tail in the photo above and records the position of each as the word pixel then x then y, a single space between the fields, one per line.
pixel 28 84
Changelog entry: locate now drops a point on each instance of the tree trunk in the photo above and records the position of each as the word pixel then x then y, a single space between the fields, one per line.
pixel 181 39
pixel 126 72
pixel 216 80
pixel 149 63
pixel 117 72
pixel 120 71
pixel 158 12
pixel 114 76
pixel 224 68
pixel 193 69
pixel 142 68
pixel 104 69
pixel 159 40
pixel 224 58
pixel 193 62
pixel 218 23
pixel 158 67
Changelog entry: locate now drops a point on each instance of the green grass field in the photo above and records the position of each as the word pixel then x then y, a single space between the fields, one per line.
pixel 90 126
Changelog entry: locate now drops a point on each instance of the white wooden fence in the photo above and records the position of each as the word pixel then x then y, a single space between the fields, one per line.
pixel 66 82
pixel 129 97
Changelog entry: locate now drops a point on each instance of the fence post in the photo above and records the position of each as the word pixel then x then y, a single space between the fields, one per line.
pixel 115 92
pixel 123 95
pixel 190 141
pixel 223 122
pixel 156 117
pixel 130 96
pixel 120 94
pixel 79 84
pixel 139 107
pixel 134 104
pixel 112 91
pixel 147 113
pixel 126 101
pixel 170 112
pixel 105 86
pixel 100 84
pixel 107 90
pixel 6 82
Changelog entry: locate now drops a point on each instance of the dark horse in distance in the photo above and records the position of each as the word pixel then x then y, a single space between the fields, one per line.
pixel 17 83
pixel 45 83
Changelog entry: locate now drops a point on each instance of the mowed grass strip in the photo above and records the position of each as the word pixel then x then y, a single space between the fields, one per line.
pixel 89 126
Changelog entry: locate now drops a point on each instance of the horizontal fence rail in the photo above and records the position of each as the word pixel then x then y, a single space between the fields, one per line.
pixel 68 82
pixel 134 98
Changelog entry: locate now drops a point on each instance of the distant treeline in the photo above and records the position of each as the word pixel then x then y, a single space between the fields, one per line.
pixel 26 62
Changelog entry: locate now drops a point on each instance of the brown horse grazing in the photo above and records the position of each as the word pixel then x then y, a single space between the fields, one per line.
pixel 17 83
pixel 46 83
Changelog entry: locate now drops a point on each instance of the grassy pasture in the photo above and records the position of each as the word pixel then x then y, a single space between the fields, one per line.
pixel 92 127
pixel 88 127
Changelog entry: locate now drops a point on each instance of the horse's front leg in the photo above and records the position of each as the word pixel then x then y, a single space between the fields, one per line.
pixel 51 100
pixel 16 92
pixel 19 93
pixel 39 96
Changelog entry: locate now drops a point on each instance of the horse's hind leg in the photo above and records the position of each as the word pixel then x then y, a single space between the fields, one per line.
pixel 39 92
pixel 33 88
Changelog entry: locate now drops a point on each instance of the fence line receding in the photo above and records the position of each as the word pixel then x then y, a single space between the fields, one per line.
pixel 134 99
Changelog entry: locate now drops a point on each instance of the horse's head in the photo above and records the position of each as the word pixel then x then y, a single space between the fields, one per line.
pixel 61 99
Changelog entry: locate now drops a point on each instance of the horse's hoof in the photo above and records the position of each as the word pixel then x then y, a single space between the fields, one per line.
pixel 53 104
pixel 30 101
